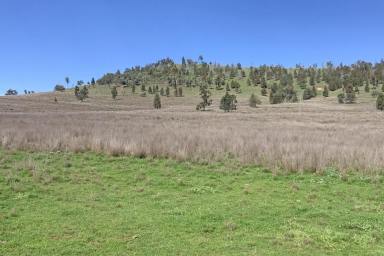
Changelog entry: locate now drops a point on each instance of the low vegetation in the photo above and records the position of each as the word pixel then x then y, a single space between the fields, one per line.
pixel 87 204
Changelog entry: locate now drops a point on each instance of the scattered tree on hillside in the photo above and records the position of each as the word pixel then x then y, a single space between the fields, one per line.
pixel 10 92
pixel 67 81
pixel 114 92
pixel 77 90
pixel 264 92
pixel 228 102
pixel 205 95
pixel 59 88
pixel 380 102
pixel 340 98
pixel 366 88
pixel 307 94
pixel 180 92
pixel 157 101
pixel 325 91
pixel 254 101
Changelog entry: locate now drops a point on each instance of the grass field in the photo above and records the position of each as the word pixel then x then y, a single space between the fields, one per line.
pixel 305 136
pixel 93 204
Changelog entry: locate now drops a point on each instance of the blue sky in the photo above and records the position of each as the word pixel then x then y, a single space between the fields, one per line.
pixel 43 41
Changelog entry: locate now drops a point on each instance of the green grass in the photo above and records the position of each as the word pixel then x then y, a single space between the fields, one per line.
pixel 90 204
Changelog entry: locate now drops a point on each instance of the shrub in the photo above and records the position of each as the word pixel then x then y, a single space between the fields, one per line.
pixel 59 88
pixel 157 101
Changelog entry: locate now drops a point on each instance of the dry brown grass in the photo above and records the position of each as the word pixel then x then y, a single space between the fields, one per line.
pixel 291 137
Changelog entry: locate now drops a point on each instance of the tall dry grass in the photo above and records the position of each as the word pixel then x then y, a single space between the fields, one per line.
pixel 292 137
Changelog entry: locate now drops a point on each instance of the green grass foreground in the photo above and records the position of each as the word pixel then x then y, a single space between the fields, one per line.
pixel 91 204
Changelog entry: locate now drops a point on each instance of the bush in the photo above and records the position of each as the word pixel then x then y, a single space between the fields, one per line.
pixel 380 102
pixel 59 88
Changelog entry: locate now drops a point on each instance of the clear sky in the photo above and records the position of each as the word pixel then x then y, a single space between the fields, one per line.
pixel 43 41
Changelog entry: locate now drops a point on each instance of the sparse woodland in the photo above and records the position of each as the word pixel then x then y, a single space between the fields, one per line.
pixel 281 84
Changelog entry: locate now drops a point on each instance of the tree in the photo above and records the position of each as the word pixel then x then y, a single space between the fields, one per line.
pixel 162 93
pixel 114 92
pixel 380 102
pixel 254 101
pixel 11 92
pixel 150 90
pixel 340 98
pixel 25 91
pixel 157 101
pixel 325 91
pixel 93 81
pixel 59 88
pixel 167 91
pixel 228 102
pixel 205 95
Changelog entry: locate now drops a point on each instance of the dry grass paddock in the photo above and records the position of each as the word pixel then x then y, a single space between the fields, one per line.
pixel 311 136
